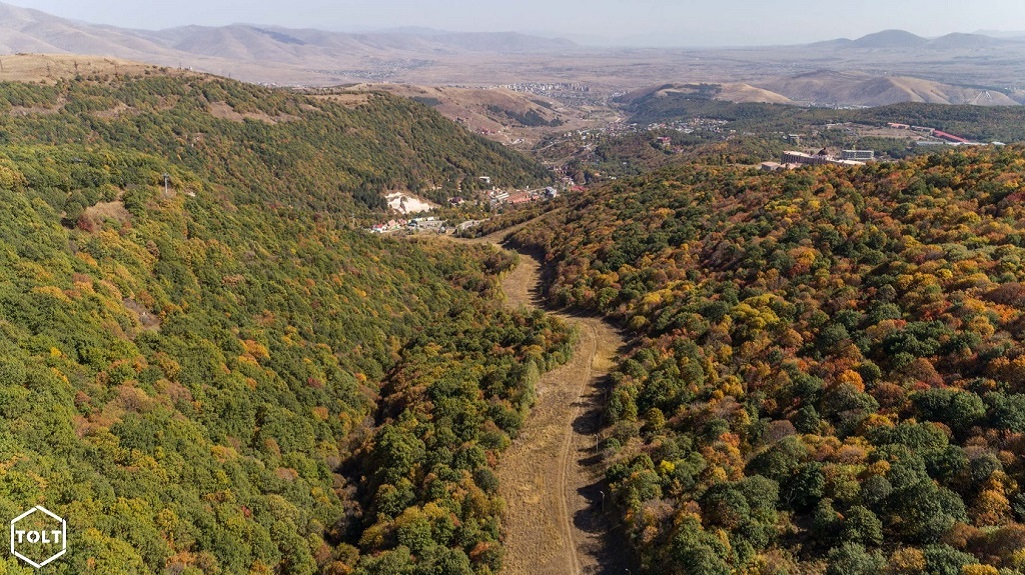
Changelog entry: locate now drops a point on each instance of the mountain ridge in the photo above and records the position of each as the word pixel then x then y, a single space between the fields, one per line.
pixel 259 53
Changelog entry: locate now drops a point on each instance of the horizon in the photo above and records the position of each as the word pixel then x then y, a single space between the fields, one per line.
pixel 605 23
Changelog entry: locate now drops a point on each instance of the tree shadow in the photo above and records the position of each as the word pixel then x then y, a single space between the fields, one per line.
pixel 611 552
pixel 608 542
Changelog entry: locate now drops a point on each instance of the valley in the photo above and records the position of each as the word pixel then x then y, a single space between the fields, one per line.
pixel 556 522
pixel 404 301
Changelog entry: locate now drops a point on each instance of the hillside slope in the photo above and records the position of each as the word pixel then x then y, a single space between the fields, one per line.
pixel 829 375
pixel 338 156
pixel 220 376
pixel 860 89
pixel 518 119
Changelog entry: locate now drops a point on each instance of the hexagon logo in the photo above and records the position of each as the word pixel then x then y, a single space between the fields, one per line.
pixel 38 536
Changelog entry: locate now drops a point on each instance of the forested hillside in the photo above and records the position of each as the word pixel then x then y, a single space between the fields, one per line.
pixel 830 376
pixel 221 377
pixel 273 146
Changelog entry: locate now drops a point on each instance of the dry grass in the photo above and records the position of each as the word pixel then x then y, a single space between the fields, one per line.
pixel 544 474
pixel 49 68
pixel 547 477
pixel 104 211
pixel 746 93
pixel 348 99
pixel 225 111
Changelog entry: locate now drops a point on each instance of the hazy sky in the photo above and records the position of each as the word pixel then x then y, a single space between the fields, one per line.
pixel 680 22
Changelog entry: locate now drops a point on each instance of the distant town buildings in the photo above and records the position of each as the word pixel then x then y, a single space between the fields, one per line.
pixel 430 224
pixel 791 157
pixel 941 136
pixel 858 155
pixel 949 137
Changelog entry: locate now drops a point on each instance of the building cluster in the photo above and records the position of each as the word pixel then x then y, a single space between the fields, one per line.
pixel 792 159
pixel 499 197
pixel 381 70
pixel 436 225
pixel 858 155
pixel 565 92
pixel 942 138
pixel 427 224
pixel 692 125
pixel 389 226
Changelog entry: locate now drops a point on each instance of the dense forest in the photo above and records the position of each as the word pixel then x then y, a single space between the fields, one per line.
pixel 221 376
pixel 266 145
pixel 829 374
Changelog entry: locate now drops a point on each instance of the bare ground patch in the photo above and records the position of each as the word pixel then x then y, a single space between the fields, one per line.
pixel 348 99
pixel 97 214
pixel 225 111
pixel 146 319
pixel 550 477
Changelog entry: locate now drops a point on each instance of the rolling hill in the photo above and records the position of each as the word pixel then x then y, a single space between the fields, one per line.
pixel 958 41
pixel 513 118
pixel 889 39
pixel 370 145
pixel 732 92
pixel 826 89
pixel 830 88
pixel 310 57
pixel 206 368
pixel 902 40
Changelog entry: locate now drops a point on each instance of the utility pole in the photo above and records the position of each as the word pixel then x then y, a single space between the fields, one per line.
pixel 167 178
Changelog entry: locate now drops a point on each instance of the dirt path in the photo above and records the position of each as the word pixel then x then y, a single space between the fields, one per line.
pixel 554 522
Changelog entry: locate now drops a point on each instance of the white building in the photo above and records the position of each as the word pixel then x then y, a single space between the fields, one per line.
pixel 858 155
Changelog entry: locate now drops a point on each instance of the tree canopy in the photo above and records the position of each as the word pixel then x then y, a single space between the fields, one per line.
pixel 828 369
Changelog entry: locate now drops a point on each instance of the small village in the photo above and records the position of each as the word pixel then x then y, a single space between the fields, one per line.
pixel 494 199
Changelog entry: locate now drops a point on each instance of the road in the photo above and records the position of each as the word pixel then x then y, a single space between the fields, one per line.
pixel 549 477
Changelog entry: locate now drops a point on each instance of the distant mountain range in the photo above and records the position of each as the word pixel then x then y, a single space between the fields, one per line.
pixel 879 68
pixel 259 53
pixel 904 40
pixel 1020 34
pixel 828 88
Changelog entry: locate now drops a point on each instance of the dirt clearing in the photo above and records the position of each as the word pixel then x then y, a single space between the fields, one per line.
pixel 550 477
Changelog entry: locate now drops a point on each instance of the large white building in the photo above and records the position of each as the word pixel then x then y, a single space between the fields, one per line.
pixel 791 157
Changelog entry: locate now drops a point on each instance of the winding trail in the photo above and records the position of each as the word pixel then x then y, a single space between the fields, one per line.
pixel 549 477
